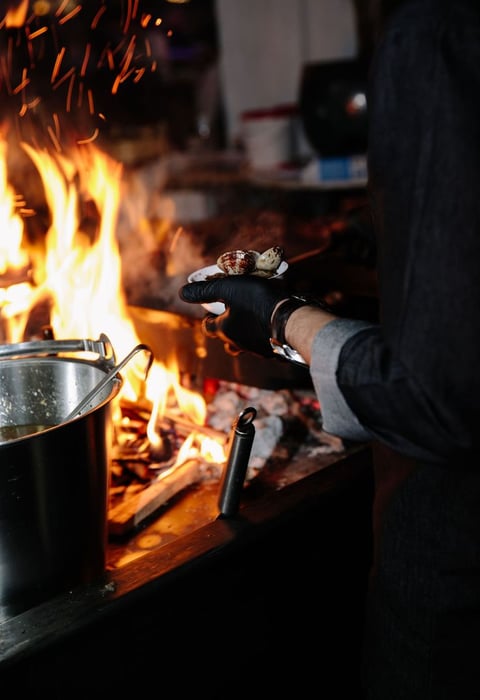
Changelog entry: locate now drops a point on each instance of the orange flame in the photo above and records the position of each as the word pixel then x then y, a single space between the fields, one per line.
pixel 12 253
pixel 16 17
pixel 80 275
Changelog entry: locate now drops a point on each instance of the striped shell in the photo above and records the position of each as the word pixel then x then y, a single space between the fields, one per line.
pixel 237 262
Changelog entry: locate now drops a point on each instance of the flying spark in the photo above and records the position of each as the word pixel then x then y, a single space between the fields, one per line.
pixel 57 65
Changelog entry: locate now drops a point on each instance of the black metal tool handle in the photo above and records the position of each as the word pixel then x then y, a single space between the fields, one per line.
pixel 233 477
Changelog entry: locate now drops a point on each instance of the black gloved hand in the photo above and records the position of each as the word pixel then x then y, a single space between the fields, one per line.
pixel 249 303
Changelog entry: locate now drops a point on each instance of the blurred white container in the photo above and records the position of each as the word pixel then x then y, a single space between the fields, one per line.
pixel 267 136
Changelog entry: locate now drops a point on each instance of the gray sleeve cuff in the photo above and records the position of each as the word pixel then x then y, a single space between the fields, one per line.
pixel 337 417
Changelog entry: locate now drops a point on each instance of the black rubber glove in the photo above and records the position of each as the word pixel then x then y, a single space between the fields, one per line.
pixel 249 303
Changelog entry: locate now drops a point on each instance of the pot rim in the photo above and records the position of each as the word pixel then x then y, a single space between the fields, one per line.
pixel 116 384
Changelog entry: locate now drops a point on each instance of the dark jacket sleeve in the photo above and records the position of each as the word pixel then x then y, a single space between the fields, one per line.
pixel 414 382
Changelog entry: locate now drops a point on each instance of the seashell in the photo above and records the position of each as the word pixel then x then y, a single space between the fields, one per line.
pixel 237 262
pixel 270 259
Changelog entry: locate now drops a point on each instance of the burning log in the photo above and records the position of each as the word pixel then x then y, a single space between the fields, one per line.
pixel 12 276
pixel 183 425
pixel 154 464
pixel 189 426
pixel 129 514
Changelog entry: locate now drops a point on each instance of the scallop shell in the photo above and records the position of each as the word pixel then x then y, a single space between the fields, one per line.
pixel 237 262
pixel 270 259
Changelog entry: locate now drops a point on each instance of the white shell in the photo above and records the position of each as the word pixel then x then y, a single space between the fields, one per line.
pixel 270 259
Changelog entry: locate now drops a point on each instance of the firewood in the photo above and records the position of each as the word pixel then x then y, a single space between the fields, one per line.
pixel 128 514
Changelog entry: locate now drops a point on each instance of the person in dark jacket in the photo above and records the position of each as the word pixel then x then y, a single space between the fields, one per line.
pixel 411 383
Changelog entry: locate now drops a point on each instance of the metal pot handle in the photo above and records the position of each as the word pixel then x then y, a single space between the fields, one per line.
pixel 103 347
pixel 108 378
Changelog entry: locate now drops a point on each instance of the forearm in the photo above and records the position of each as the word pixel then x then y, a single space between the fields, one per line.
pixel 302 326
pixel 318 336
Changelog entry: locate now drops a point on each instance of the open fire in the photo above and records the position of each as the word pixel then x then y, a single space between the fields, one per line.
pixel 74 279
pixel 166 435
pixel 61 262
pixel 70 276
pixel 60 64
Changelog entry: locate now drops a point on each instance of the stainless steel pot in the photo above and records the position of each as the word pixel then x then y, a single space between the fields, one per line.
pixel 54 475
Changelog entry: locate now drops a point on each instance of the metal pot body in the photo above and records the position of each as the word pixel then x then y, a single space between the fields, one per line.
pixel 54 482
